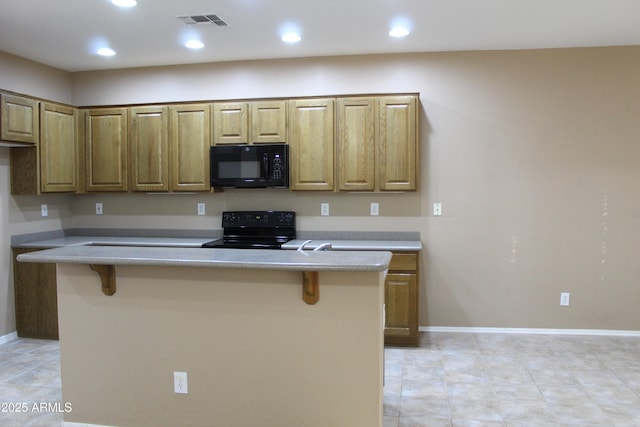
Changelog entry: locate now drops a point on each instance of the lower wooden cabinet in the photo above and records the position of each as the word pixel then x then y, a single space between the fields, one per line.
pixel 36 299
pixel 401 300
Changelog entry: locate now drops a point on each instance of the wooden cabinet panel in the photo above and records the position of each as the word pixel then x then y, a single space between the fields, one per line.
pixel 401 296
pixel 268 122
pixel 356 143
pixel 397 146
pixel 106 139
pixel 401 299
pixel 58 148
pixel 19 119
pixel 311 138
pixel 190 142
pixel 149 142
pixel 230 123
pixel 36 300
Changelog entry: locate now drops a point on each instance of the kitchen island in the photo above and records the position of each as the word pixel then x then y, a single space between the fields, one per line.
pixel 266 337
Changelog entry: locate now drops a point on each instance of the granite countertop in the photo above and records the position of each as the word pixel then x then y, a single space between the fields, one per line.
pixel 214 258
pixel 358 245
pixel 181 242
pixel 196 242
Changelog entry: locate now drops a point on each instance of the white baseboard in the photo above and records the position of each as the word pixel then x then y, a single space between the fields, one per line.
pixel 544 331
pixel 9 337
pixel 70 424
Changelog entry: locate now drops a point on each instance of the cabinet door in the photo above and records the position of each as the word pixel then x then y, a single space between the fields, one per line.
pixel 149 142
pixel 58 148
pixel 312 138
pixel 230 123
pixel 19 119
pixel 397 147
pixel 36 300
pixel 190 142
pixel 401 316
pixel 268 122
pixel 106 149
pixel 355 145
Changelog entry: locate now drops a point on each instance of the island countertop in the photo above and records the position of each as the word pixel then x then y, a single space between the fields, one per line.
pixel 257 259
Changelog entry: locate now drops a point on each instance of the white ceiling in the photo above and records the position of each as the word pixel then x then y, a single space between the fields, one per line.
pixel 60 33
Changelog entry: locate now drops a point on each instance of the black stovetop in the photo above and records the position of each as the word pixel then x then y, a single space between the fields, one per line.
pixel 255 230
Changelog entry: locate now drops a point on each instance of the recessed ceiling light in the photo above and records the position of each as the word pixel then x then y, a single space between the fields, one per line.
pixel 291 37
pixel 194 44
pixel 106 51
pixel 124 3
pixel 399 32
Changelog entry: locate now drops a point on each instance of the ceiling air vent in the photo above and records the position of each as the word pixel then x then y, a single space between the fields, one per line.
pixel 210 18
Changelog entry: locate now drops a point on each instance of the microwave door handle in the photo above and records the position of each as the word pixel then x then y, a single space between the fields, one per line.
pixel 265 167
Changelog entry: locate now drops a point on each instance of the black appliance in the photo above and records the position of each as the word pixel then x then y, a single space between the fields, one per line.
pixel 255 230
pixel 250 166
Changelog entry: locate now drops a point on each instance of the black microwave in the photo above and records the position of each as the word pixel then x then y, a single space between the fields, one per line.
pixel 250 166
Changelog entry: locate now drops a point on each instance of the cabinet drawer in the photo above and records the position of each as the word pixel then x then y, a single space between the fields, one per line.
pixel 404 261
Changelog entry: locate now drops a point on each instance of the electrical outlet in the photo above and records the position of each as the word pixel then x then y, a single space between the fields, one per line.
pixel 99 208
pixel 44 210
pixel 324 209
pixel 564 299
pixel 437 209
pixel 375 209
pixel 200 208
pixel 180 384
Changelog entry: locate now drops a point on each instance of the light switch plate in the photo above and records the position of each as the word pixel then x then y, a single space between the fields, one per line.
pixel 375 209
pixel 44 210
pixel 99 208
pixel 201 209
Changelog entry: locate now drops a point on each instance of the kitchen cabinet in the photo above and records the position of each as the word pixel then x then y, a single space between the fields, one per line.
pixel 256 122
pixel 19 119
pixel 190 132
pixel 106 144
pixel 356 144
pixel 376 146
pixel 397 150
pixel 312 138
pixel 401 299
pixel 53 165
pixel 268 122
pixel 58 148
pixel 35 291
pixel 149 148
pixel 230 123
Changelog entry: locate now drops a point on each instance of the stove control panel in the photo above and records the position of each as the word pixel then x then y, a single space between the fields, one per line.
pixel 259 219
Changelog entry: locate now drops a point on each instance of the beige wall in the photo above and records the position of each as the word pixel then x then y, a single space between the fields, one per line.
pixel 533 155
pixel 22 214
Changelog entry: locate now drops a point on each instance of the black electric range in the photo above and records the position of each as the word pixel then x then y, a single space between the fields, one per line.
pixel 255 230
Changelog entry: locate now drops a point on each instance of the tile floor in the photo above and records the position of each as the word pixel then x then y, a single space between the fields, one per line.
pixel 451 379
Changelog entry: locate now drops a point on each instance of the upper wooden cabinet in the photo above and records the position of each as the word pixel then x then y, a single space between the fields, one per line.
pixel 190 142
pixel 149 148
pixel 230 123
pixel 268 122
pixel 376 143
pixel 53 165
pixel 18 119
pixel 58 148
pixel 397 145
pixel 312 137
pixel 356 144
pixel 106 145
pixel 260 122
